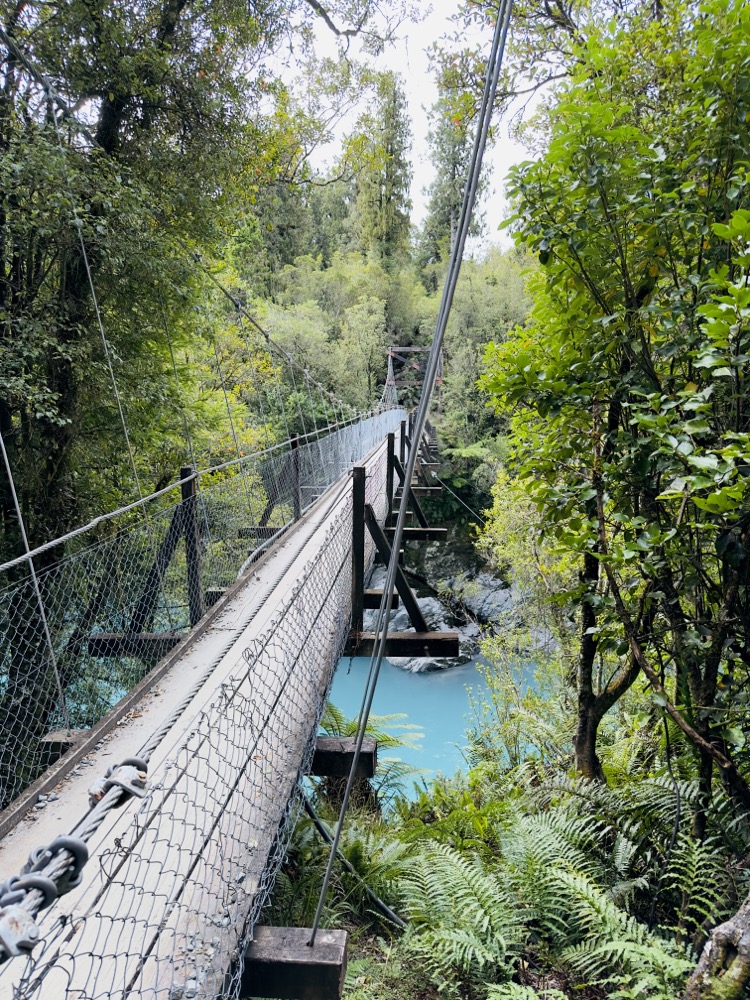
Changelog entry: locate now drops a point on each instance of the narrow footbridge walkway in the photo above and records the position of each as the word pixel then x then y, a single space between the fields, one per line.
pixel 184 790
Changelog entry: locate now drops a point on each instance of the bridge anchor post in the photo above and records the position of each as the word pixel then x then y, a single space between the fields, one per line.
pixel 391 459
pixel 296 491
pixel 281 963
pixel 421 642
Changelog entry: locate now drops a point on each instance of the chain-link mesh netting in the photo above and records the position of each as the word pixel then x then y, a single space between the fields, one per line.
pixel 117 599
pixel 176 888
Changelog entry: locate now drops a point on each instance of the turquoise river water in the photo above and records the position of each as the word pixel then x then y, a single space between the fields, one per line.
pixel 437 701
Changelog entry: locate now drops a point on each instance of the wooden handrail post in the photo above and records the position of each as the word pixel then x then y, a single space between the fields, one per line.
pixel 196 601
pixel 143 613
pixel 402 443
pixel 358 547
pixel 296 491
pixel 389 473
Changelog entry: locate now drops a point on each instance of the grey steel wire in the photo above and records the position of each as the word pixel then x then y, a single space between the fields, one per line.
pixel 457 497
pixel 92 821
pixel 494 64
pixel 40 602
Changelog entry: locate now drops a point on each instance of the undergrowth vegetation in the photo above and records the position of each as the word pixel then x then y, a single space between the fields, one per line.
pixel 526 881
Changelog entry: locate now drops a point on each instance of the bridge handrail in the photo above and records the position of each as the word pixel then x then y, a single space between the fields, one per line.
pixel 117 603
pixel 232 463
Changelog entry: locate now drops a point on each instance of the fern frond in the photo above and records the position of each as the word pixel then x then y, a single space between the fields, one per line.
pixel 461 916
pixel 512 991
pixel 613 948
pixel 698 874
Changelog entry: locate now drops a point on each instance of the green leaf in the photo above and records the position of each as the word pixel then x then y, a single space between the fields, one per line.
pixel 704 461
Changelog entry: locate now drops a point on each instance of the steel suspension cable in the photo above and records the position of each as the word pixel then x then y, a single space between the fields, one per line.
pixel 189 439
pixel 37 591
pixel 254 379
pixel 457 497
pixel 240 457
pixel 494 64
pixel 297 394
pixel 136 504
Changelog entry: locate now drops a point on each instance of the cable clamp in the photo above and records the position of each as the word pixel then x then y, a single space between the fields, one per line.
pixel 42 856
pixel 130 776
pixel 18 932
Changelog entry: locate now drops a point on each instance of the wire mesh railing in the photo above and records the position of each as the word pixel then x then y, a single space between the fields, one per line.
pixel 181 881
pixel 108 602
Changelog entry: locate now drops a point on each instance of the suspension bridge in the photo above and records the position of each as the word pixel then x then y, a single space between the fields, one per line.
pixel 163 671
pixel 165 685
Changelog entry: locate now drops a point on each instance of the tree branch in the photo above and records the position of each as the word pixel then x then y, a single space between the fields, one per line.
pixel 340 32
pixel 640 657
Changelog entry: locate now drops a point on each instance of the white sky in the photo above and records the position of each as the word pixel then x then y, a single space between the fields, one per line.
pixel 409 58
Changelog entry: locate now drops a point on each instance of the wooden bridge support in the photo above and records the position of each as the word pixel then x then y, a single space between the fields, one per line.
pixel 196 599
pixel 291 475
pixel 334 755
pixel 391 460
pixel 138 641
pixel 421 642
pixel 279 962
pixel 296 490
pixel 249 775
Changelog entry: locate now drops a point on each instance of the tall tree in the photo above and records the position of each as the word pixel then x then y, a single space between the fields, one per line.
pixel 630 387
pixel 633 373
pixel 124 128
pixel 383 205
pixel 450 140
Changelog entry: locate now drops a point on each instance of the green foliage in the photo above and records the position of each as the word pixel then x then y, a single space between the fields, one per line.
pixel 463 923
pixel 512 991
pixel 627 388
pixel 613 948
pixel 490 299
pixel 451 140
pixel 382 201
pixel 385 973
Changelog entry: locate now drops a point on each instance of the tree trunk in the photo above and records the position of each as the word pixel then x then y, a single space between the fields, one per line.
pixel 587 761
pixel 584 744
pixel 723 971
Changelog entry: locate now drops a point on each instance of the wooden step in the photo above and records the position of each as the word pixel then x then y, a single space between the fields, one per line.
pixel 280 963
pixel 421 491
pixel 334 755
pixel 213 595
pixel 372 599
pixel 412 644
pixel 146 645
pixel 420 534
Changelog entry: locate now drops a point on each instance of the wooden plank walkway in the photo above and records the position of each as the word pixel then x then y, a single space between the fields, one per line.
pixel 172 879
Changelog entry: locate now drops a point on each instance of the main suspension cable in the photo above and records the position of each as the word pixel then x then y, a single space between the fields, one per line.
pixel 494 64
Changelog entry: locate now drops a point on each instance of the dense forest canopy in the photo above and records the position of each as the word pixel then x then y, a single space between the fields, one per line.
pixel 128 132
pixel 599 844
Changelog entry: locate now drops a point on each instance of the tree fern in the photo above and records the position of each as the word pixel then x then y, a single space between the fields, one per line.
pixel 613 948
pixel 697 874
pixel 462 919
